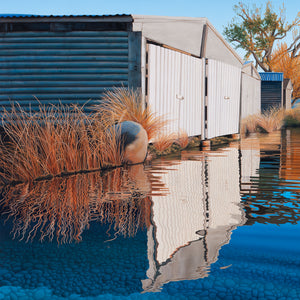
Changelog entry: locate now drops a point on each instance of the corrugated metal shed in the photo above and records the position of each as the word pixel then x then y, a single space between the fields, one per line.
pixel 287 93
pixel 65 59
pixel 74 59
pixel 251 90
pixel 175 88
pixel 223 99
pixel 73 67
pixel 58 16
pixel 195 36
pixel 275 90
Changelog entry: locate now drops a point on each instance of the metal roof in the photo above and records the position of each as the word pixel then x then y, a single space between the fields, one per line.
pixel 181 33
pixel 21 16
pixel 271 76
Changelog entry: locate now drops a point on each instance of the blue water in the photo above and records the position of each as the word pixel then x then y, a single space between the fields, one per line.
pixel 253 255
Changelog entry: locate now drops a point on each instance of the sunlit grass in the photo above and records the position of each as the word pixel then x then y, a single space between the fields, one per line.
pixel 164 141
pixel 54 141
pixel 183 139
pixel 122 104
pixel 271 119
pixel 249 124
pixel 60 140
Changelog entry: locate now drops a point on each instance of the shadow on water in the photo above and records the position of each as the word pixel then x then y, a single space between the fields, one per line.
pixel 188 208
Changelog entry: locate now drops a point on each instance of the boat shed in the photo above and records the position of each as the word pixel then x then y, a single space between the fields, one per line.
pixel 183 66
pixel 275 90
pixel 287 93
pixel 251 91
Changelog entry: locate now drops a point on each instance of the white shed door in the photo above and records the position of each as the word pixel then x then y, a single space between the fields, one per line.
pixel 223 99
pixel 176 88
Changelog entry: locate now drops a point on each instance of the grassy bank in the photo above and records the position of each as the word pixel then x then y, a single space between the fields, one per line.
pixel 63 140
pixel 271 120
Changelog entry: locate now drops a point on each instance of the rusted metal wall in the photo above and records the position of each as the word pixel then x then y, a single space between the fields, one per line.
pixel 223 99
pixel 176 88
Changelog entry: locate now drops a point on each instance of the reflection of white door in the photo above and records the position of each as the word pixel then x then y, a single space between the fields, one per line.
pixel 176 88
pixel 177 215
pixel 194 219
pixel 223 99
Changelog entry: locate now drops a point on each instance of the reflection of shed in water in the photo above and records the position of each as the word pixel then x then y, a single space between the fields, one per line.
pixel 250 160
pixel 290 155
pixel 195 219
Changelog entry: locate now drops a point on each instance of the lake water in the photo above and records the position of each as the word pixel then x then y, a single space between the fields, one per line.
pixel 219 224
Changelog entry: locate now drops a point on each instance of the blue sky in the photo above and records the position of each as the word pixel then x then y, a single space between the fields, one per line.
pixel 219 12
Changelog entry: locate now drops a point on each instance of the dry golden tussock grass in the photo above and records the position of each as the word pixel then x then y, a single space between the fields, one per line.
pixel 54 141
pixel 293 113
pixel 271 119
pixel 122 104
pixel 62 139
pixel 183 139
pixel 249 124
pixel 164 141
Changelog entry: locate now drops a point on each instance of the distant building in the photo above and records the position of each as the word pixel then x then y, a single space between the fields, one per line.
pixel 275 91
pixel 251 90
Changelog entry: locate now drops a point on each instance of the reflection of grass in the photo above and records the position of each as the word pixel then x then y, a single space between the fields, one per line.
pixel 62 208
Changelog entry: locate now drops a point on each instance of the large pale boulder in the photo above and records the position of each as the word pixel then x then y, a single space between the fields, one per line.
pixel 134 141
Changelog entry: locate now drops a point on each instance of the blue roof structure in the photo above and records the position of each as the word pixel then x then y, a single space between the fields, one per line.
pixel 271 76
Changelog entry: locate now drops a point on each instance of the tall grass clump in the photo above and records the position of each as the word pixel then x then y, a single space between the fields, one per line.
pixel 183 139
pixel 292 117
pixel 54 141
pixel 123 104
pixel 271 119
pixel 164 141
pixel 249 124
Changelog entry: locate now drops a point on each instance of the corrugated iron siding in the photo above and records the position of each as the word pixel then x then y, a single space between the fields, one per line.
pixel 171 75
pixel 251 88
pixel 223 97
pixel 271 94
pixel 66 67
